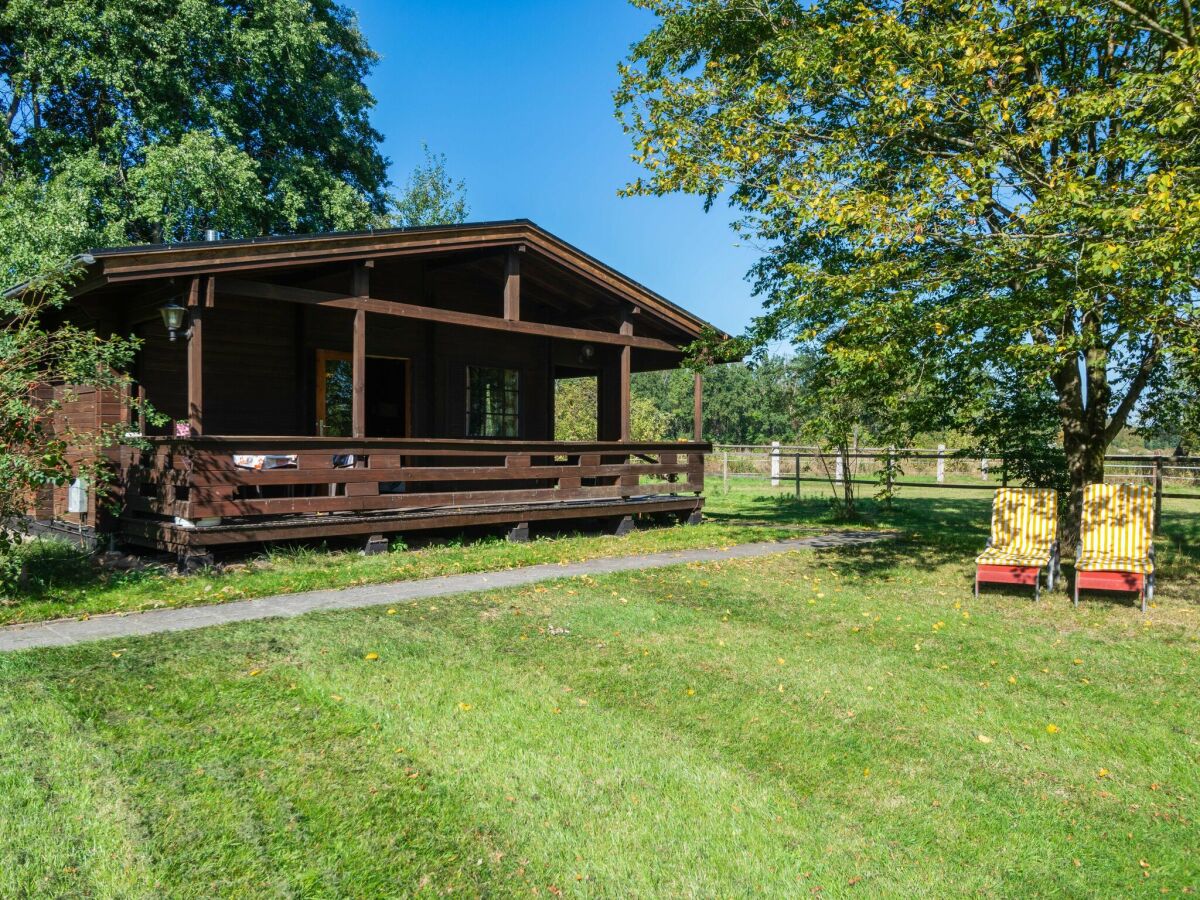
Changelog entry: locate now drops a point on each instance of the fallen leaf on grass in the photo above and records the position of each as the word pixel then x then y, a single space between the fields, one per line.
pixel 983 739
pixel 372 656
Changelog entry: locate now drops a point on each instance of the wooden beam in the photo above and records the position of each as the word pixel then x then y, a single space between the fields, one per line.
pixel 512 285
pixel 697 407
pixel 358 355
pixel 263 291
pixel 626 378
pixel 284 253
pixel 195 358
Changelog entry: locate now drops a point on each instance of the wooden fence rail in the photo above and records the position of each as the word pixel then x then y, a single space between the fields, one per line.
pixel 217 477
pixel 772 459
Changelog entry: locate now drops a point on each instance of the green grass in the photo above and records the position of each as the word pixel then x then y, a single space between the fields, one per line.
pixel 63 582
pixel 851 721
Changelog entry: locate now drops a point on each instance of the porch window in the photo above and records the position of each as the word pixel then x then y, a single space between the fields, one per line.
pixel 492 402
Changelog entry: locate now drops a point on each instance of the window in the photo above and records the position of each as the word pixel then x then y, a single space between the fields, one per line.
pixel 492 396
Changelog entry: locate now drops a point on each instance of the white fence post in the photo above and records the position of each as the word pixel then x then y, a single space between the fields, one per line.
pixel 725 472
pixel 774 463
pixel 983 468
pixel 838 472
pixel 941 463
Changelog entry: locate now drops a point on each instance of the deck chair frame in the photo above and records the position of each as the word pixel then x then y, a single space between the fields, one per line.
pixel 1140 583
pixel 988 573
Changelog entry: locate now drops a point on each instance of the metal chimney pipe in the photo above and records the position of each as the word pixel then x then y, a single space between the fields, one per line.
pixel 211 235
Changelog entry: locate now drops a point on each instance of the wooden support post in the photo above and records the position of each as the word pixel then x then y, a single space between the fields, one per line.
pixel 358 355
pixel 725 472
pixel 512 285
pixel 1158 491
pixel 358 376
pixel 626 377
pixel 195 359
pixel 796 472
pixel 698 408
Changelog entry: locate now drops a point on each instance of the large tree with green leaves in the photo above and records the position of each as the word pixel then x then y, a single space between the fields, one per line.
pixel 131 121
pixel 127 121
pixel 994 195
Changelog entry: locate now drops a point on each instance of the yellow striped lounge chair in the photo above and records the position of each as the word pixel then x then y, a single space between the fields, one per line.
pixel 1024 539
pixel 1116 540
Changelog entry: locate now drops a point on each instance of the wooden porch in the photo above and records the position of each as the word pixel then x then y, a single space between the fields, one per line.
pixel 405 380
pixel 188 494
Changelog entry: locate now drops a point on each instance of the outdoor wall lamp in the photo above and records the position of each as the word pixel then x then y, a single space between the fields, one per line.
pixel 173 316
pixel 586 353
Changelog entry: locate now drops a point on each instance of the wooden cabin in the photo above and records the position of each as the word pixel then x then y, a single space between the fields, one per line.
pixel 380 382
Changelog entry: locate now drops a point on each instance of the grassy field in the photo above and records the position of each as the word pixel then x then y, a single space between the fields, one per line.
pixel 846 723
pixel 63 581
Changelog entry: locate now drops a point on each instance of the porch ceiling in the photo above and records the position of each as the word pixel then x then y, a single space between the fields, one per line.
pixel 563 274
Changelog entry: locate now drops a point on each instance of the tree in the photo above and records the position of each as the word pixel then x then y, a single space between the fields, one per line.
pixel 575 406
pixel 979 188
pixel 146 120
pixel 128 121
pixel 430 196
pixel 744 403
pixel 41 369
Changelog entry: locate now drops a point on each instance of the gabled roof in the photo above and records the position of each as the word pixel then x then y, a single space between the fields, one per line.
pixel 116 265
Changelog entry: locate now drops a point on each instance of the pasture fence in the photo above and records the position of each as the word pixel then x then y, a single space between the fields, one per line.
pixel 791 465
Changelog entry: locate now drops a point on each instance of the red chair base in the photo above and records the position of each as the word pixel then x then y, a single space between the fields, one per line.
pixel 1026 575
pixel 1111 581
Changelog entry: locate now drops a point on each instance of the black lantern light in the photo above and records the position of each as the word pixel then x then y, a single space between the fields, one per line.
pixel 173 315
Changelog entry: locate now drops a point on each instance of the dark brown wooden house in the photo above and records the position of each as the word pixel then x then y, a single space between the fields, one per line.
pixel 380 382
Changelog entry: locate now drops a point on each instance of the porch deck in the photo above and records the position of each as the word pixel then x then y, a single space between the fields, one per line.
pixel 189 494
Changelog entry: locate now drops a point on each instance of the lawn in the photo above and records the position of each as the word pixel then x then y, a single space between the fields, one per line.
pixel 847 723
pixel 64 583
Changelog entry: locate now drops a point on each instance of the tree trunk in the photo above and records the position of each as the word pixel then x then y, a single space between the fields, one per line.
pixel 1084 448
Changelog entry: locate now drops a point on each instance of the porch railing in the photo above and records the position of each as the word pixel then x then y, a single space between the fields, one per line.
pixel 197 478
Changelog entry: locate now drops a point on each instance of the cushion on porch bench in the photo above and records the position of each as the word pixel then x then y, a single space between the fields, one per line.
pixel 1024 527
pixel 1117 529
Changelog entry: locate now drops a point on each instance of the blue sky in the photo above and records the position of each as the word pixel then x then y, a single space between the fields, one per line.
pixel 518 95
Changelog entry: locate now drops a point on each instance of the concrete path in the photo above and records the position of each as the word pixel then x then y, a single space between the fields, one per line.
pixel 64 632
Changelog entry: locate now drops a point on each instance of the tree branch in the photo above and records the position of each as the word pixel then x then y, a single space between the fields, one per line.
pixel 1137 384
pixel 1152 23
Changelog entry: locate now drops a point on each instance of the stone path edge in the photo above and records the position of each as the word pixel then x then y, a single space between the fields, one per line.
pixel 67 632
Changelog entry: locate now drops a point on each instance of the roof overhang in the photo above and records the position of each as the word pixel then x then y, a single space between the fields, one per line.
pixel 123 265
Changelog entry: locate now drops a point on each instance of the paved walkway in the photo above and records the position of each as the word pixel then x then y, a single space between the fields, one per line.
pixel 64 632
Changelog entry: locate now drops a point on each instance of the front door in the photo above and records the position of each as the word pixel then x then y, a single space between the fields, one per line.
pixel 386 395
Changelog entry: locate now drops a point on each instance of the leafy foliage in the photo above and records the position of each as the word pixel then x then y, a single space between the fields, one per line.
pixel 169 118
pixel 575 406
pixel 970 190
pixel 127 121
pixel 743 403
pixel 43 362
pixel 430 196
